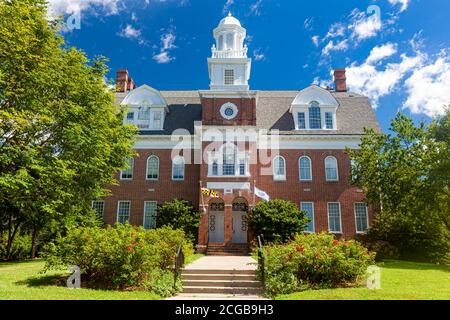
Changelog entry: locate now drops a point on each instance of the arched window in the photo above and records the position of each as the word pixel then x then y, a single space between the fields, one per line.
pixel 230 41
pixel 331 169
pixel 152 168
pixel 178 168
pixel 279 168
pixel 304 164
pixel 315 118
pixel 220 46
pixel 229 160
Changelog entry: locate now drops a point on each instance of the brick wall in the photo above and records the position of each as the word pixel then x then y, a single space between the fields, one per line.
pixel 246 115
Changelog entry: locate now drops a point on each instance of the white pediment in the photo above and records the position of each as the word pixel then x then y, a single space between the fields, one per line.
pixel 144 95
pixel 315 93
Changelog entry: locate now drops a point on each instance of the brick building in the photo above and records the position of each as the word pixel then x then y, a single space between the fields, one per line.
pixel 290 144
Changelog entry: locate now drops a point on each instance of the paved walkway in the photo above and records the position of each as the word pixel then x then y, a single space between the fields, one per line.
pixel 220 263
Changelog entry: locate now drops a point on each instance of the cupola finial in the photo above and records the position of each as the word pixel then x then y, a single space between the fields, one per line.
pixel 229 14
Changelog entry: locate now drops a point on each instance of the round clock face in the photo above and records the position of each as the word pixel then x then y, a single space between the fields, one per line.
pixel 229 111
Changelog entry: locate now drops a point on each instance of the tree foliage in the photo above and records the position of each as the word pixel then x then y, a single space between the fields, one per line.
pixel 277 220
pixel 404 175
pixel 61 137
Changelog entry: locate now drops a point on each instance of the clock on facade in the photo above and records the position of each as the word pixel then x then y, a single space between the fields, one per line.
pixel 229 111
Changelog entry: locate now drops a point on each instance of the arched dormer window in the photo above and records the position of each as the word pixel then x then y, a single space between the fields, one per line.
pixel 315 118
pixel 279 168
pixel 152 168
pixel 304 164
pixel 331 169
pixel 178 168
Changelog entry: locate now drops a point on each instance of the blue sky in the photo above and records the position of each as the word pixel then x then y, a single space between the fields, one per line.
pixel 397 52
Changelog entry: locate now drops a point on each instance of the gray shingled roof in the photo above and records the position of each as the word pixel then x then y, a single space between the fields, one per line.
pixel 353 115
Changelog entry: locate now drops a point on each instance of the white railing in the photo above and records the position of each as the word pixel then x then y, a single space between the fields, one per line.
pixel 224 54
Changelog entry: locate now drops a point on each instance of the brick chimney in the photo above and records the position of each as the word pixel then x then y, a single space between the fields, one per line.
pixel 124 82
pixel 340 80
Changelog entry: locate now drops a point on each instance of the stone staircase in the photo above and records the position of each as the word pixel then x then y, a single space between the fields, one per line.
pixel 227 282
pixel 228 250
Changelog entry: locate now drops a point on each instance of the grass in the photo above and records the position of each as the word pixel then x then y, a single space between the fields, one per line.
pixel 193 258
pixel 22 281
pixel 400 280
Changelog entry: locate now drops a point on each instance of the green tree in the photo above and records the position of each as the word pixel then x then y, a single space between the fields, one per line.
pixel 277 220
pixel 61 137
pixel 179 214
pixel 395 172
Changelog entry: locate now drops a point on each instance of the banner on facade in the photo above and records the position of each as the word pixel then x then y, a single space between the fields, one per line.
pixel 210 193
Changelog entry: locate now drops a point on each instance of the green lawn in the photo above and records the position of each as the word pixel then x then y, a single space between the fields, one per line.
pixel 22 281
pixel 400 280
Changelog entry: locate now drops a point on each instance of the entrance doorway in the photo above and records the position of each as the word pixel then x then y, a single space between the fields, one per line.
pixel 216 223
pixel 240 221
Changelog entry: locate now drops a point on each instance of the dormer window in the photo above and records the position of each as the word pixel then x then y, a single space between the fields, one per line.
pixel 329 120
pixel 229 77
pixel 301 120
pixel 130 116
pixel 315 119
pixel 156 120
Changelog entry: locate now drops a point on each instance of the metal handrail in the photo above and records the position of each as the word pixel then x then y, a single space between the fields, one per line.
pixel 261 261
pixel 179 263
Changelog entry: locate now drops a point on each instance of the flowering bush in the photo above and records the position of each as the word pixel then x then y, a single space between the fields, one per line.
pixel 120 257
pixel 315 260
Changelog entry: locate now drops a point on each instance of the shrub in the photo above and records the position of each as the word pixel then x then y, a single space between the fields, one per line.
pixel 277 220
pixel 179 214
pixel 314 261
pixel 120 257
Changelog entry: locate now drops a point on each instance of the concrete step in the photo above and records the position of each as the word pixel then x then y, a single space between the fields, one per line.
pixel 235 277
pixel 217 271
pixel 222 283
pixel 223 290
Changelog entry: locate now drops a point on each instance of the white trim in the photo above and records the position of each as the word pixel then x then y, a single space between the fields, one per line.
pixel 313 215
pixel 129 208
pixel 146 169
pixel 228 185
pixel 184 168
pixel 145 207
pixel 340 217
pixel 367 217
pixel 300 171
pixel 103 209
pixel 275 176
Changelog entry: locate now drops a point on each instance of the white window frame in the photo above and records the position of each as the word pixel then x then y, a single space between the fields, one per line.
pixel 278 177
pixel 130 169
pixel 173 168
pixel 313 215
pixel 337 169
pixel 103 206
pixel 332 120
pixel 356 219
pixel 241 156
pixel 145 209
pixel 304 119
pixel 118 208
pixel 340 217
pixel 228 77
pixel 300 169
pixel 146 171
pixel 152 119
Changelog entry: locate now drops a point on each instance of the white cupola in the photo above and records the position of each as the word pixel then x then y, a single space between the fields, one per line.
pixel 229 67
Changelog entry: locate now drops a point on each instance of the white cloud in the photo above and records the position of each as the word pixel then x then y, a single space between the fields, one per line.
pixel 338 46
pixel 130 32
pixel 363 26
pixel 61 7
pixel 404 4
pixel 308 23
pixel 258 55
pixel 315 40
pixel 227 6
pixel 256 8
pixel 381 52
pixel 429 87
pixel 168 43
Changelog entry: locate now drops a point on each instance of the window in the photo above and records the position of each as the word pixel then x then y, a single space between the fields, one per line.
pixel 128 173
pixel 315 119
pixel 301 120
pixel 279 168
pixel 362 217
pixel 157 120
pixel 178 168
pixel 309 208
pixel 215 168
pixel 331 169
pixel 99 207
pixel 123 211
pixel 242 168
pixel 130 116
pixel 152 168
pixel 144 113
pixel 150 210
pixel 230 41
pixel 229 161
pixel 305 169
pixel 334 217
pixel 229 76
pixel 329 120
